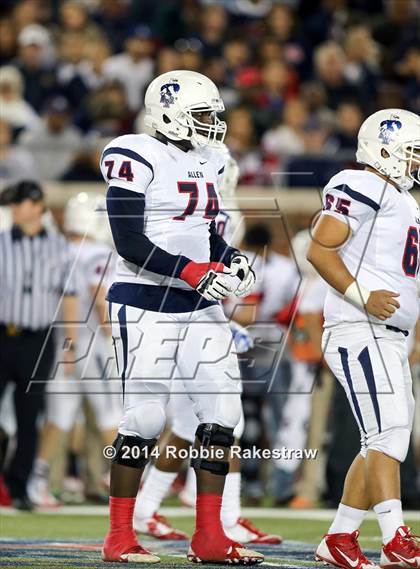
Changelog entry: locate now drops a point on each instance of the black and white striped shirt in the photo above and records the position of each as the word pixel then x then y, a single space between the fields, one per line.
pixel 34 274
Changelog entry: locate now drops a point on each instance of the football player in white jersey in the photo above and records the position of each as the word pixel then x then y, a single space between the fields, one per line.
pixel 167 323
pixel 161 475
pixel 366 246
pixel 92 267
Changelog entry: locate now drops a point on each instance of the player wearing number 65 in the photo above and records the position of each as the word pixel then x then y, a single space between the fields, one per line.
pixel 366 246
pixel 167 323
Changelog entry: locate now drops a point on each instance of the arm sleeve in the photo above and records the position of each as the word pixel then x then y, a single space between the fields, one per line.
pixel 126 217
pixel 348 205
pixel 219 249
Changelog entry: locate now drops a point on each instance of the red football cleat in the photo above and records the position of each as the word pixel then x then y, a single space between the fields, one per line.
pixel 124 548
pixel 158 527
pixel 203 549
pixel 245 531
pixel 402 551
pixel 343 550
pixel 5 499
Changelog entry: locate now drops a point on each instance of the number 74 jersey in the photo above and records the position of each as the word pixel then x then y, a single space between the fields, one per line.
pixel 180 192
pixel 382 251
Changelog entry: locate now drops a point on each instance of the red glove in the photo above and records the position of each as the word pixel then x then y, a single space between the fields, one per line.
pixel 193 272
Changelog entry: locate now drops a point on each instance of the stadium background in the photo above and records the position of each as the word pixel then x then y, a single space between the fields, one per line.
pixel 297 76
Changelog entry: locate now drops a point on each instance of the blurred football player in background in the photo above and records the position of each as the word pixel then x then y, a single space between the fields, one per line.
pixel 92 267
pixel 305 341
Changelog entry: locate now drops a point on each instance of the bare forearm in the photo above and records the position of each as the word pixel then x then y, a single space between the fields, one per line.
pixel 330 266
pixel 70 317
pixel 101 308
pixel 314 329
pixel 246 315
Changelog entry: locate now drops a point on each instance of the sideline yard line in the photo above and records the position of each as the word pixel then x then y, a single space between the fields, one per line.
pixel 180 512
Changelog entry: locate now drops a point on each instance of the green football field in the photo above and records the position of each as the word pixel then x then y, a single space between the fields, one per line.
pixel 67 540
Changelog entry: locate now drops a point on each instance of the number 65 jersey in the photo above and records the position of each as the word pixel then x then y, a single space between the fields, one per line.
pixel 382 251
pixel 180 196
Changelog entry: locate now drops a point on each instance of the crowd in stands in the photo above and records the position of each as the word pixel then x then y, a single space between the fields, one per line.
pixel 297 77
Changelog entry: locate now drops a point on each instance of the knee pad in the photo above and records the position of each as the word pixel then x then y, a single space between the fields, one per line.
pixel 238 431
pixel 146 420
pixel 132 451
pixel 209 435
pixel 392 442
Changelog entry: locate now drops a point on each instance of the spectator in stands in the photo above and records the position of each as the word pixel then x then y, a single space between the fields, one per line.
pixel 167 59
pixel 87 166
pixel 282 27
pixel 236 53
pixel 396 31
pixel 277 87
pixel 54 143
pixel 241 139
pixel 348 121
pixel 213 24
pixel 408 69
pixel 315 97
pixel 287 137
pixel 8 40
pixel 13 108
pixel 317 164
pixel 330 63
pixel 27 12
pixel 107 112
pixel 70 74
pixel 362 60
pixel 269 50
pixel 174 20
pixel 134 67
pixel 114 19
pixel 327 20
pixel 92 68
pixel 15 163
pixel 39 73
pixel 74 17
pixel 190 55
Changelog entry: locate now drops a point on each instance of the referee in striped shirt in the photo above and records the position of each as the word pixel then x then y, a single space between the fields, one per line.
pixel 34 281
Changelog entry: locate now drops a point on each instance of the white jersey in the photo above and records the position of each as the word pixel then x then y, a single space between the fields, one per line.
pixel 91 263
pixel 181 198
pixel 276 286
pixel 312 298
pixel 383 250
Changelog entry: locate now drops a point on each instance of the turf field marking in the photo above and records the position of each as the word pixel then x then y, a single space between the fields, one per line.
pixel 175 512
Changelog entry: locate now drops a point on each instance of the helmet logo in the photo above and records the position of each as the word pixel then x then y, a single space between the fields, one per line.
pixel 387 130
pixel 167 93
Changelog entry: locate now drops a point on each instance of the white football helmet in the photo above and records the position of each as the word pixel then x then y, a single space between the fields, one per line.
pixel 82 215
pixel 389 142
pixel 173 98
pixel 227 187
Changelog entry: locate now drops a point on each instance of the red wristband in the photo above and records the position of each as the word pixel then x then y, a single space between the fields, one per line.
pixel 193 272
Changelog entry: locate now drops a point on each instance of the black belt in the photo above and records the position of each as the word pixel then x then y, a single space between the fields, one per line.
pixel 14 331
pixel 395 329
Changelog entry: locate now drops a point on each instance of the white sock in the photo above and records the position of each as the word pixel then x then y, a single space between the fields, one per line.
pixel 190 487
pixel 41 468
pixel 152 493
pixel 347 519
pixel 231 501
pixel 390 518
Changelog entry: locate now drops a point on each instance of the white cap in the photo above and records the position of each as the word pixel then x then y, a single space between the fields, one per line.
pixel 34 34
